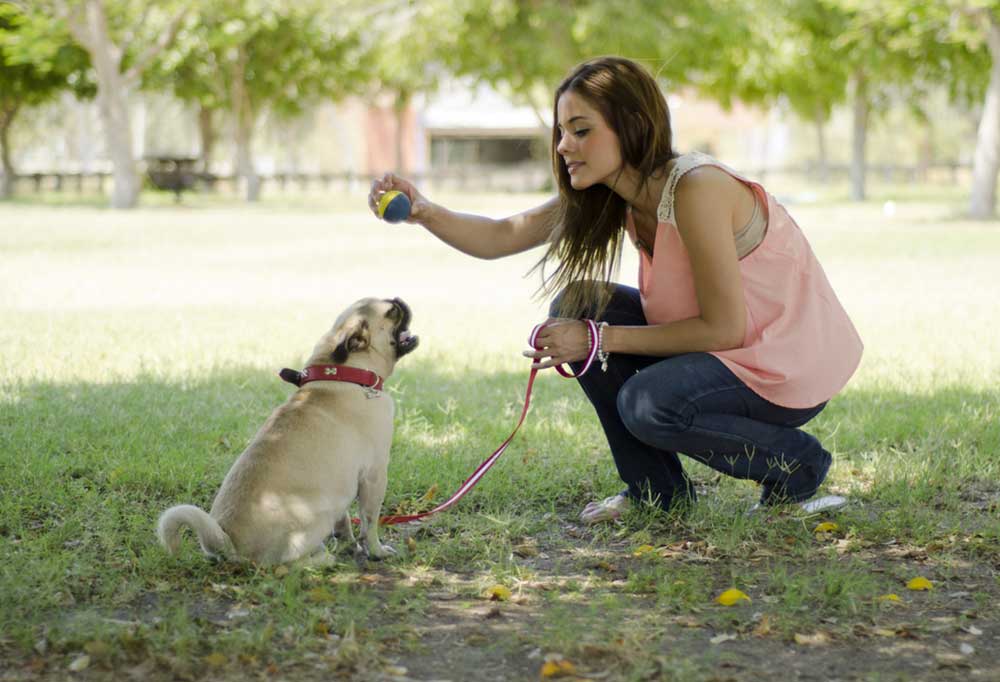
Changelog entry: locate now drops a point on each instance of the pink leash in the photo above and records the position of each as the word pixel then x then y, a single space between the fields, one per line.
pixel 491 460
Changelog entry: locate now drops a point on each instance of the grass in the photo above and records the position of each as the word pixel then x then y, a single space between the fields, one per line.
pixel 138 354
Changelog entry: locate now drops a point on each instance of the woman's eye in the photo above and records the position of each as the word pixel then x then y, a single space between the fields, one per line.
pixel 582 133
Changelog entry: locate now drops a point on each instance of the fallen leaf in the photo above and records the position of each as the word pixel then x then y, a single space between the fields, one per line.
pixel 216 660
pixel 883 632
pixel 724 637
pixel 919 583
pixel 730 597
pixel 966 648
pixel 826 527
pixel 411 544
pixel 281 571
pixel 557 668
pixel 763 628
pixel 430 494
pixel 815 639
pixel 889 597
pixel 498 593
pixel 642 549
pixel 79 663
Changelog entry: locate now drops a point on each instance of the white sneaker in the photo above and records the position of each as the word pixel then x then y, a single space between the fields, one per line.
pixel 608 509
pixel 820 504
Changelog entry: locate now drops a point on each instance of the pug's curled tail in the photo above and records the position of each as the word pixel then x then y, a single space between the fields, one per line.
pixel 211 537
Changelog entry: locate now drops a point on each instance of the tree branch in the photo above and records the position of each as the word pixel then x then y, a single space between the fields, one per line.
pixel 137 29
pixel 166 38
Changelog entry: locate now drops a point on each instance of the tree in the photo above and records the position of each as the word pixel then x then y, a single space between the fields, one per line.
pixel 408 51
pixel 122 38
pixel 976 24
pixel 265 56
pixel 34 68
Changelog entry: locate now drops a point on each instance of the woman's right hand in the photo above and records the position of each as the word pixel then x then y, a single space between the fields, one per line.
pixel 388 182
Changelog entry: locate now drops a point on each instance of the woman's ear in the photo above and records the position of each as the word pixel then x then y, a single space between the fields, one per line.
pixel 358 338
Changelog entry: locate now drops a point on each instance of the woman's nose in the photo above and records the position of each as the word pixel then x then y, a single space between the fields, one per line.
pixel 562 146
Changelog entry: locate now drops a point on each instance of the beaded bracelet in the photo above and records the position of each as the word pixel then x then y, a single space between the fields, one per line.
pixel 602 355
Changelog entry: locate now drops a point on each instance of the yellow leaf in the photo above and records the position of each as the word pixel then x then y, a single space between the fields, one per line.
pixel 560 668
pixel 816 639
pixel 642 549
pixel 498 593
pixel 889 597
pixel 730 597
pixel 216 660
pixel 826 527
pixel 919 584
pixel 430 494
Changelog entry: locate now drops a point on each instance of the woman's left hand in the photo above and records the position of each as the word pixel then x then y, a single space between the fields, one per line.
pixel 562 340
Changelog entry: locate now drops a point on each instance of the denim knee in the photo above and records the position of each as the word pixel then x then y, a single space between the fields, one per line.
pixel 642 411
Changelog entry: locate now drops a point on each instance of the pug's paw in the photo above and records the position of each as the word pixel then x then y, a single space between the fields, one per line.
pixel 380 551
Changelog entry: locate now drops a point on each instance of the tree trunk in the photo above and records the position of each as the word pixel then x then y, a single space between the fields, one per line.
pixel 244 114
pixel 206 130
pixel 925 152
pixel 859 92
pixel 822 160
pixel 7 114
pixel 91 30
pixel 402 104
pixel 987 159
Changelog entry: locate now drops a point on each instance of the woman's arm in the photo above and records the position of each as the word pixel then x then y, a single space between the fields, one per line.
pixel 475 235
pixel 704 203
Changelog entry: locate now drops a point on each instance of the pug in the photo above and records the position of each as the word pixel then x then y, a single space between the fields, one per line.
pixel 325 446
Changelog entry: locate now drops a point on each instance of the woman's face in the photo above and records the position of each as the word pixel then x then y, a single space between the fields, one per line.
pixel 588 147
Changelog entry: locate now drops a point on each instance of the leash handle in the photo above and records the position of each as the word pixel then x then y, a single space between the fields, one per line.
pixel 481 470
pixel 592 333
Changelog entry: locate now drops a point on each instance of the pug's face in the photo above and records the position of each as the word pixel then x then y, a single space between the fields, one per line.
pixel 380 327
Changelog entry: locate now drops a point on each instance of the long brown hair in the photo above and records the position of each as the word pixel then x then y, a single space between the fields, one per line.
pixel 589 224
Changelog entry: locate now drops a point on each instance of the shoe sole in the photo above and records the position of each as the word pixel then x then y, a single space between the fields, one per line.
pixel 820 504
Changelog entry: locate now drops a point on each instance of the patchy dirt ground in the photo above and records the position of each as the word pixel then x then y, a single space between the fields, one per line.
pixel 598 611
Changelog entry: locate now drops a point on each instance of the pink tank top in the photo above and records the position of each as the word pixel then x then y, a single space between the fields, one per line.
pixel 800 346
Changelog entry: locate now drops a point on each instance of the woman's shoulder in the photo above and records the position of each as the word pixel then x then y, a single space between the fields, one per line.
pixel 692 176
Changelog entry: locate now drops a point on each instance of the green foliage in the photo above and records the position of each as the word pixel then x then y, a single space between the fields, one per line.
pixel 288 56
pixel 37 61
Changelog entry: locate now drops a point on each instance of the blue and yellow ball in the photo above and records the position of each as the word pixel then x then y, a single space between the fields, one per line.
pixel 394 207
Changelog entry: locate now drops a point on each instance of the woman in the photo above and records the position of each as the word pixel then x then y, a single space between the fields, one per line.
pixel 733 340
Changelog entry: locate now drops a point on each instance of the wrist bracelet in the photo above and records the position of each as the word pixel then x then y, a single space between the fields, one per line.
pixel 602 355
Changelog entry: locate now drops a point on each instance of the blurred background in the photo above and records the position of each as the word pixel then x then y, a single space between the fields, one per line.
pixel 243 99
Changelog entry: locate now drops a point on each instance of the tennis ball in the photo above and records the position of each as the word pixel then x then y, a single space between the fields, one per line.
pixel 394 207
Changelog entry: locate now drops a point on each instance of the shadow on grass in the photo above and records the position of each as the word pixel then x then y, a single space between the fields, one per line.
pixel 156 440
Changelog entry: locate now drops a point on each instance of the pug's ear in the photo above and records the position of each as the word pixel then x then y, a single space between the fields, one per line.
pixel 357 339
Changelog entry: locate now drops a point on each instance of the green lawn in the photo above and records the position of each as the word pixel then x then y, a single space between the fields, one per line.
pixel 138 353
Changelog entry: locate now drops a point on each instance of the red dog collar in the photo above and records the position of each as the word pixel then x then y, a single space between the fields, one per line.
pixel 353 375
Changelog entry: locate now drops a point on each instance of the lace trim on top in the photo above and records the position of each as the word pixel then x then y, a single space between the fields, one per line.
pixel 749 236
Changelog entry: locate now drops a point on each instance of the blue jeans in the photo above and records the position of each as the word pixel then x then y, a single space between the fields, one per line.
pixel 653 408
